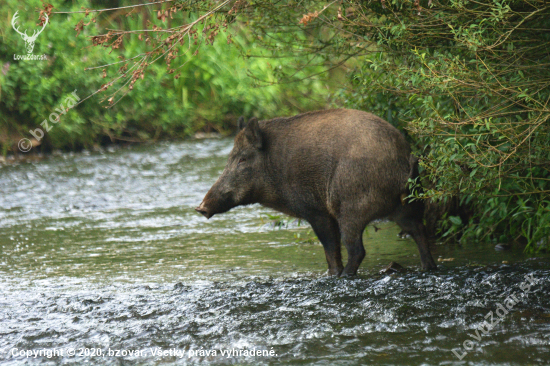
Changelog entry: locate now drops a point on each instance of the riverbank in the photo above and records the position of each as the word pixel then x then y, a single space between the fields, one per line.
pixel 36 156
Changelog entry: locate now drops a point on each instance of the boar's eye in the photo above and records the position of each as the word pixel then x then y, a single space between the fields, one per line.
pixel 241 160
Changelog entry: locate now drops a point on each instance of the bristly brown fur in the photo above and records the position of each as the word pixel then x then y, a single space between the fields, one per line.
pixel 338 169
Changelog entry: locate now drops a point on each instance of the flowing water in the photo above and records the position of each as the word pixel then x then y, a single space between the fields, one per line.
pixel 105 262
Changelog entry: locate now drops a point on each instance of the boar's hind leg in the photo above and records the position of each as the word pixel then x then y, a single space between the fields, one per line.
pixel 328 233
pixel 352 237
pixel 418 232
pixel 409 218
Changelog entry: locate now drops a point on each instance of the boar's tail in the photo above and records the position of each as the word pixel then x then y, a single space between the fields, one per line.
pixel 413 162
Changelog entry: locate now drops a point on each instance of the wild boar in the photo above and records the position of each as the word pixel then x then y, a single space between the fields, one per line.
pixel 337 169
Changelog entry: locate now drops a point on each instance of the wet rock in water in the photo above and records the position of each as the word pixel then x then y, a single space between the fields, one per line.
pixel 179 286
pixel 88 302
pixel 500 247
pixel 393 267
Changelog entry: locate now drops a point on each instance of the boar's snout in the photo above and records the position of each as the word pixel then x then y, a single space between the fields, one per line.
pixel 203 211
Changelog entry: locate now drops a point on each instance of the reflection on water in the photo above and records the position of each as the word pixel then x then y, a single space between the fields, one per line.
pixel 105 251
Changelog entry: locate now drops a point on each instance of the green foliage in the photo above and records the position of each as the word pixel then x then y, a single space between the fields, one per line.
pixel 283 221
pixel 306 238
pixel 212 90
pixel 277 221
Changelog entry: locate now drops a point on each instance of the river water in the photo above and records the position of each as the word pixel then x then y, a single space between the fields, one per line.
pixel 103 256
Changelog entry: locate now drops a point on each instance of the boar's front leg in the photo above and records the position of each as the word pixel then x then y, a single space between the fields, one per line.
pixel 328 233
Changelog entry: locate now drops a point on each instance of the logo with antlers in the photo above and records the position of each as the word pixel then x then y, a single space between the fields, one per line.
pixel 29 41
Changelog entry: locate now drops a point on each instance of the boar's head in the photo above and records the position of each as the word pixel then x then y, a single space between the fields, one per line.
pixel 240 182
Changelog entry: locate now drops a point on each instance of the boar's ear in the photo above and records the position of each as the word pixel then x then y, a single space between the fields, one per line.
pixel 240 123
pixel 253 134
